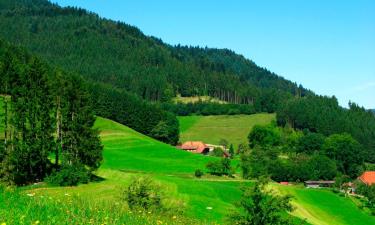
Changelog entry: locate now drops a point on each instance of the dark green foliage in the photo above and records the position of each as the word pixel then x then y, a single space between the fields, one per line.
pixel 198 173
pixel 260 206
pixel 69 175
pixel 264 136
pixel 122 56
pixel 254 163
pixel 217 152
pixel 324 115
pixel 205 108
pixel 29 130
pixel 143 193
pixel 79 142
pixel 46 112
pixel 368 192
pixel 322 168
pixel 347 153
pixel 220 167
pixel 259 162
pixel 310 143
pixel 231 150
pixel 134 112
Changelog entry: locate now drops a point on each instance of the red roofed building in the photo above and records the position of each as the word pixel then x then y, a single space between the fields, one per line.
pixel 195 146
pixel 368 177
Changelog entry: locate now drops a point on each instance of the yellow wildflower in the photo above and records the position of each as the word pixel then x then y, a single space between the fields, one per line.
pixel 3 223
pixel 36 222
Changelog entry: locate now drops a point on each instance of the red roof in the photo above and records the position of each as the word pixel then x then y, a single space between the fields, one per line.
pixel 368 177
pixel 196 146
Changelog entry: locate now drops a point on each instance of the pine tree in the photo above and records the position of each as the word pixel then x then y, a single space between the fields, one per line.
pixel 81 143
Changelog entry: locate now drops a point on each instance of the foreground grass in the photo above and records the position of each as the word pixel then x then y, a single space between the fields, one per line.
pixel 322 206
pixel 211 129
pixel 28 207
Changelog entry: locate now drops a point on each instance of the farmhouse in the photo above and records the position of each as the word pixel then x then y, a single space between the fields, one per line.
pixel 319 184
pixel 368 177
pixel 195 147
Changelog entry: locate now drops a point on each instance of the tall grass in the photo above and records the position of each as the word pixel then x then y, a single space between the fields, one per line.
pixel 27 207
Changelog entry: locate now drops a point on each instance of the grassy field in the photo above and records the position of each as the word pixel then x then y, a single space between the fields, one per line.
pixel 128 154
pixel 128 150
pixel 211 129
pixel 132 152
pixel 323 207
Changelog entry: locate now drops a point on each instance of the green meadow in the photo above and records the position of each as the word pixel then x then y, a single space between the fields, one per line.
pixel 128 153
pixel 211 129
pixel 322 206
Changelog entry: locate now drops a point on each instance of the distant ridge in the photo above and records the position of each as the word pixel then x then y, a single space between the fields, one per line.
pixel 120 55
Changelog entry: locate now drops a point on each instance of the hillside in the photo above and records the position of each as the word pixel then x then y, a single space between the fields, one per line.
pixel 324 207
pixel 211 129
pixel 131 61
pixel 149 157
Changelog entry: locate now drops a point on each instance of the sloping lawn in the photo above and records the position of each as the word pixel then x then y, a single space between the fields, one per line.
pixel 211 129
pixel 320 206
pixel 128 150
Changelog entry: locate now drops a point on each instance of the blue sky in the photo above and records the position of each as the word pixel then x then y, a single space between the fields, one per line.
pixel 327 46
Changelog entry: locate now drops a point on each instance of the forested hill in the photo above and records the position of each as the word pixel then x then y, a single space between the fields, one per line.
pixel 122 56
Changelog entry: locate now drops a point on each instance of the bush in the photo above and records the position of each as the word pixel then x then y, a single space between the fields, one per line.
pixel 198 173
pixel 219 168
pixel 69 175
pixel 264 136
pixel 143 193
pixel 217 152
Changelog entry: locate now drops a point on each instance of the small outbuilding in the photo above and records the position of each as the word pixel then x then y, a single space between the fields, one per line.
pixel 319 184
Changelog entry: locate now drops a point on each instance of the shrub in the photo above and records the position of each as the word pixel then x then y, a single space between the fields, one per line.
pixel 198 173
pixel 264 136
pixel 219 168
pixel 69 175
pixel 217 152
pixel 143 193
